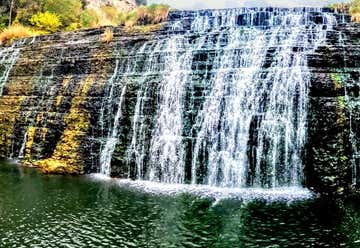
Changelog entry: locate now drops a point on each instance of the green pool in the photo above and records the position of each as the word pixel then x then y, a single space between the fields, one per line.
pixel 62 211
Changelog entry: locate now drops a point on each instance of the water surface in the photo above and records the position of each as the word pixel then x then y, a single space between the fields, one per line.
pixel 62 211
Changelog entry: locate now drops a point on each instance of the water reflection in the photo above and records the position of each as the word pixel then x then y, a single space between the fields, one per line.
pixel 56 211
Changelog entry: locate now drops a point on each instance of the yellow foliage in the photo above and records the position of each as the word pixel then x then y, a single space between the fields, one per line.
pixel 73 26
pixel 14 32
pixel 46 21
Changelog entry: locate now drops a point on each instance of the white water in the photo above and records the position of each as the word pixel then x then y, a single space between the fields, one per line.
pixel 277 100
pixel 353 107
pixel 251 128
pixel 138 147
pixel 288 194
pixel 8 58
pixel 23 146
pixel 111 141
pixel 352 104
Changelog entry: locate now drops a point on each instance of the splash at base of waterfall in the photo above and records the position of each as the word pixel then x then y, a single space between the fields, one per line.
pixel 286 194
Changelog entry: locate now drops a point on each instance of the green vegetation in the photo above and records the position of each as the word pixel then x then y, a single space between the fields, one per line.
pixel 24 18
pixel 46 21
pixel 67 10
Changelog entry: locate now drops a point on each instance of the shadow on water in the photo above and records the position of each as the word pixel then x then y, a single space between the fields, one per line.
pixel 58 211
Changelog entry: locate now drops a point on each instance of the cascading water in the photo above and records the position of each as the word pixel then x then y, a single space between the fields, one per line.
pixel 352 104
pixel 8 58
pixel 252 96
pixel 232 99
pixel 113 100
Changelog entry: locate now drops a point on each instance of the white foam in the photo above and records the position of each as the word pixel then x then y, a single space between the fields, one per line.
pixel 288 194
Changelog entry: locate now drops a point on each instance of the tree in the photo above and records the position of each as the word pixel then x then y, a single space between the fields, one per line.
pixel 10 12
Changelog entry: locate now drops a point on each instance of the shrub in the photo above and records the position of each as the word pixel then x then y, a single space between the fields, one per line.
pixel 159 13
pixel 107 36
pixel 72 27
pixel 67 10
pixel 46 21
pixel 89 18
pixel 14 32
pixel 131 18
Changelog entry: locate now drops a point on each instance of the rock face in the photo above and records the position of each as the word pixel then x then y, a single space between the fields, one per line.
pixel 55 94
pixel 332 156
pixel 51 100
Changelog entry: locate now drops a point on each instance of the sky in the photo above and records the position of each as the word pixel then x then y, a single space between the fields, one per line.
pixel 218 4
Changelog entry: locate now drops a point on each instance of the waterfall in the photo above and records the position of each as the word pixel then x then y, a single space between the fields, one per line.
pixel 354 140
pixel 352 104
pixel 138 147
pixel 8 58
pixel 112 100
pixel 268 104
pixel 230 108
pixel 124 72
pixel 23 146
pixel 111 141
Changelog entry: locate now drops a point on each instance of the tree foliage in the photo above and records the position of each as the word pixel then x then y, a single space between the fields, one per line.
pixel 46 21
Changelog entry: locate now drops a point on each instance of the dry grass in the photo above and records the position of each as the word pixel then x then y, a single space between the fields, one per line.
pixel 107 36
pixel 14 32
pixel 160 13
